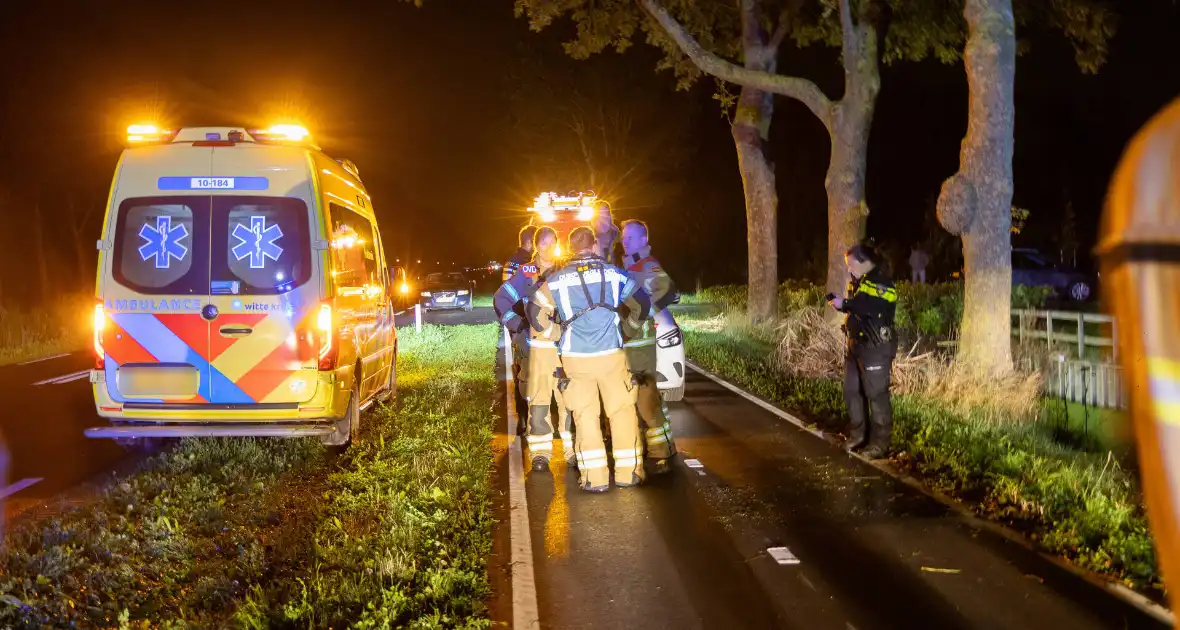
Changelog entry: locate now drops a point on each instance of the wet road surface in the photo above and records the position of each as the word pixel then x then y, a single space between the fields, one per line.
pixel 688 550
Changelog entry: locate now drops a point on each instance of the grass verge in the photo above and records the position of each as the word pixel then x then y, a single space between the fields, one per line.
pixel 1075 503
pixel 27 334
pixel 254 533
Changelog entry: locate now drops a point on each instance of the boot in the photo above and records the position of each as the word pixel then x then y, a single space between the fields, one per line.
pixel 540 463
pixel 875 451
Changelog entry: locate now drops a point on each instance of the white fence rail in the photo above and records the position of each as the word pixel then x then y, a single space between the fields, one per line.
pixel 1057 325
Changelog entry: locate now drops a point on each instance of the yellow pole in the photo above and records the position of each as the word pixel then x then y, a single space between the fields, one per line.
pixel 1139 250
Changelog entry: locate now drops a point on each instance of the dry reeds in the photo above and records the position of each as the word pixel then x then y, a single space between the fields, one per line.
pixel 810 346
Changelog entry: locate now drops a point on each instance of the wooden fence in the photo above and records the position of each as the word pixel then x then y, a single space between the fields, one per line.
pixel 1077 378
pixel 1057 325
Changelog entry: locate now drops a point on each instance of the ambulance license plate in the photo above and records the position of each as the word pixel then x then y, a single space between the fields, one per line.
pixel 212 183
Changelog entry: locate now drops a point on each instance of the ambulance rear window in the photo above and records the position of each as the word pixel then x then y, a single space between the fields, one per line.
pixel 161 245
pixel 260 243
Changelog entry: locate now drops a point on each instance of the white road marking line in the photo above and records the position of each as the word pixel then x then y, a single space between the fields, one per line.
pixel 65 378
pixel 525 613
pixel 782 555
pixel 1128 596
pixel 18 486
pixel 50 358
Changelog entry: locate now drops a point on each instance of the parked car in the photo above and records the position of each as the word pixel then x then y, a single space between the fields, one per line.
pixel 447 290
pixel 1030 267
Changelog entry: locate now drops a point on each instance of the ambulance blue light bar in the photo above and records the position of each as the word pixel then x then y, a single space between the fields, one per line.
pixel 213 183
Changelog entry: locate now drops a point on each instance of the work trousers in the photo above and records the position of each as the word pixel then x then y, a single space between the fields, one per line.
pixel 542 390
pixel 641 361
pixel 607 376
pixel 866 391
pixel 520 374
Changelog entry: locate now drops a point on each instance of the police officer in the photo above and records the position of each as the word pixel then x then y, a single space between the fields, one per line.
pixel 872 344
pixel 589 298
pixel 645 271
pixel 543 363
pixel 523 254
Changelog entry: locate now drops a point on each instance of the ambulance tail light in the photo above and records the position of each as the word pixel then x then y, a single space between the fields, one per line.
pixel 100 324
pixel 326 330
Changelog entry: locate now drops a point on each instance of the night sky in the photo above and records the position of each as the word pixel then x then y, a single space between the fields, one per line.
pixel 421 99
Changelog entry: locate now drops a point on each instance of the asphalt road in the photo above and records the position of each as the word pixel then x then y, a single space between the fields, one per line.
pixel 689 550
pixel 47 406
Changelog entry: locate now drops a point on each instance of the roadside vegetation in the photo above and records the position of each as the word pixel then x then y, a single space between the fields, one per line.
pixel 64 326
pixel 255 533
pixel 995 445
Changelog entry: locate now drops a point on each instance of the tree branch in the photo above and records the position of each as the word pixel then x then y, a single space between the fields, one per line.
pixel 799 89
pixel 780 31
pixel 849 38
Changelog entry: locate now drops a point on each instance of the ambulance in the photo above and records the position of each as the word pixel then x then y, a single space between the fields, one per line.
pixel 242 290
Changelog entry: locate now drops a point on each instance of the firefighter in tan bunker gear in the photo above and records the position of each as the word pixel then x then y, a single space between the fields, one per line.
pixel 542 369
pixel 590 298
pixel 644 270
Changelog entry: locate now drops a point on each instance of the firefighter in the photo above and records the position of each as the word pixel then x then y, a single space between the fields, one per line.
pixel 872 344
pixel 523 254
pixel 542 368
pixel 645 271
pixel 590 297
pixel 606 235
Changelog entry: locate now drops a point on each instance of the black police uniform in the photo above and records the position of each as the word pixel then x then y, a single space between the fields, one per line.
pixel 872 344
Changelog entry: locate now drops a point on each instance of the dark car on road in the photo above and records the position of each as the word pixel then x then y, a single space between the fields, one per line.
pixel 1032 268
pixel 447 290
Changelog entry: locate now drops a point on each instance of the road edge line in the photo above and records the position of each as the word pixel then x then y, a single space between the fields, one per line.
pixel 525 613
pixel 1128 596
pixel 48 358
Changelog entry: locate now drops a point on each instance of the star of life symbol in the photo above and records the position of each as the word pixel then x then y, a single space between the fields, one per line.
pixel 258 242
pixel 163 242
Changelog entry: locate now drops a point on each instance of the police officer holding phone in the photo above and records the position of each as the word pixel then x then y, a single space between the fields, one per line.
pixel 869 308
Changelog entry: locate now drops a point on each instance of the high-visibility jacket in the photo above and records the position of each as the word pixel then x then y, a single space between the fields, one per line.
pixel 588 298
pixel 646 271
pixel 871 307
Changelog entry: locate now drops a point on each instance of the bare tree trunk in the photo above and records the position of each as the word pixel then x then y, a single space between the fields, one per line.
pixel 852 119
pixel 976 202
pixel 750 128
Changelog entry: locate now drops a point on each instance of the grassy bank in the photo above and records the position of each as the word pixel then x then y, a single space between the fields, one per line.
pixel 32 333
pixel 1074 502
pixel 276 533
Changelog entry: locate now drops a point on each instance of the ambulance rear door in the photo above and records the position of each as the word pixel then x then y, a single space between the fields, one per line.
pixel 265 278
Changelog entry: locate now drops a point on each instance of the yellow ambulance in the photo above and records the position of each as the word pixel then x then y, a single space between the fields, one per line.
pixel 242 290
